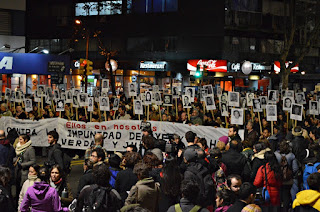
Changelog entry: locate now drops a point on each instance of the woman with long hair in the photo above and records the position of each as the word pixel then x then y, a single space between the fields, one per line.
pixel 41 197
pixel 6 203
pixel 58 181
pixel 170 181
pixel 224 199
pixel 258 159
pixel 32 177
pixel 25 157
pixel 273 181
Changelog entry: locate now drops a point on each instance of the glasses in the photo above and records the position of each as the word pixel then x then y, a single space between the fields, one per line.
pixel 95 156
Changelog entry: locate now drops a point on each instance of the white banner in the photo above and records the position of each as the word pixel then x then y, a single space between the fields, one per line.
pixel 117 134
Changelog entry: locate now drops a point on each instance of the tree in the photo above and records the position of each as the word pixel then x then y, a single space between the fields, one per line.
pixel 301 33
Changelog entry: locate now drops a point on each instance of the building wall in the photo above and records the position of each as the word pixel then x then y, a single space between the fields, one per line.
pixel 13 5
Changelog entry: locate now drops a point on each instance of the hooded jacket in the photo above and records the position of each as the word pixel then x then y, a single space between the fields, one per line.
pixel 55 155
pixel 42 198
pixel 307 200
pixel 257 161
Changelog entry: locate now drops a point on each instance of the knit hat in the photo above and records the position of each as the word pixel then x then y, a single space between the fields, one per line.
pixel 251 208
pixel 157 152
pixel 224 139
pixel 114 161
pixel 190 155
pixel 297 131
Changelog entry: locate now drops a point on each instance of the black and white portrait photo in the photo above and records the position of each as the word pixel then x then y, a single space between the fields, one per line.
pixel 234 99
pixel 104 103
pixel 83 99
pixel 63 95
pixel 60 105
pixel 175 92
pixel 313 108
pixel 210 104
pixel 256 105
pixel 56 94
pixel 148 99
pixel 116 102
pixel 219 91
pixel 243 102
pixel 237 116
pixel 157 98
pixel 17 96
pixel 75 91
pixel 36 97
pixel 224 109
pixel 49 92
pixel 75 102
pixel 203 93
pixel 287 102
pixel 264 101
pixel 186 101
pixel 271 112
pixel 12 96
pixel 250 97
pixel 41 90
pixel 296 112
pixel 97 96
pixel 190 91
pixel 7 93
pixel 105 85
pixel 300 98
pixel 69 96
pixel 138 109
pixel 209 89
pixel 90 104
pixel 289 93
pixel 272 96
pixel 132 89
pixel 167 100
pixel 28 105
pixel 155 88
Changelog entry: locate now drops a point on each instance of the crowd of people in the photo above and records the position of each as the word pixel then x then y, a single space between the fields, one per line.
pixel 274 167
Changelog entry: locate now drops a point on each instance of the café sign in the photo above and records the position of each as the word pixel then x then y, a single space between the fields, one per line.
pixel 151 65
pixel 255 67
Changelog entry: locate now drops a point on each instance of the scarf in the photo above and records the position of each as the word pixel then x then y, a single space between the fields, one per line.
pixel 20 149
pixel 32 177
pixel 55 184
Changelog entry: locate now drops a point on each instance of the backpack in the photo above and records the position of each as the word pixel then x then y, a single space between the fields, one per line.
pixel 219 179
pixel 207 187
pixel 66 162
pixel 113 177
pixel 100 199
pixel 177 208
pixel 309 169
pixel 286 169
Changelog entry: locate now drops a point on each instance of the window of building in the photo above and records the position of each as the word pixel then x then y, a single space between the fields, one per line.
pixel 99 8
pixel 161 44
pixel 5 23
pixel 154 6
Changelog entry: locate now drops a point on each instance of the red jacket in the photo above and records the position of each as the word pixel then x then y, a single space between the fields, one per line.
pixel 273 184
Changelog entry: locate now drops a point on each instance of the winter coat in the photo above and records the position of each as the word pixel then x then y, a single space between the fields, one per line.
pixel 55 156
pixel 273 184
pixel 165 201
pixel 41 197
pixel 28 158
pixel 6 203
pixel 85 179
pixel 186 206
pixel 292 161
pixel 307 201
pixel 145 193
pixel 7 153
pixel 234 161
pixel 65 201
pixel 257 161
pixel 251 136
pixel 124 181
pixel 298 145
pixel 28 183
pixel 223 208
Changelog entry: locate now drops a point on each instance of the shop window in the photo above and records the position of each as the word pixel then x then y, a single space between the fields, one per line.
pixel 99 8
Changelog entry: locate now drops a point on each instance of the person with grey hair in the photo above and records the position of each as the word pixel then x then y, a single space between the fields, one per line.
pixel 4 110
pixel 195 118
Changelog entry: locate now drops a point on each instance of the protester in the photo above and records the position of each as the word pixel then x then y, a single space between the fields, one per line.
pixel 87 177
pixel 98 143
pixel 55 155
pixel 97 157
pixel 7 152
pixel 224 200
pixel 42 197
pixel 246 196
pixel 6 202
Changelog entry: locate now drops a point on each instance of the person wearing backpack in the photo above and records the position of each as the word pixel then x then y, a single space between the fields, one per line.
pixel 99 197
pixel 289 167
pixel 189 192
pixel 197 172
pixel 55 155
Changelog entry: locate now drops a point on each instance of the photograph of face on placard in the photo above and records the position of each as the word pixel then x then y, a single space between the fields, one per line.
pixel 175 92
pixel 75 91
pixel 296 112
pixel 41 90
pixel 223 99
pixel 155 88
pixel 75 102
pixel 7 93
pixel 203 93
pixel 224 109
pixel 313 108
pixel 116 102
pixel 49 92
pixel 209 89
pixel 186 101
pixel 237 116
pixel 289 93
pixel 157 98
pixel 60 105
pixel 28 105
pixel 138 109
pixel 272 96
pixel 105 85
pixel 148 99
pixel 219 91
pixel 69 96
pixel 56 94
pixel 83 99
pixel 271 112
pixel 190 91
pixel 256 105
pixel 300 98
pixel 234 99
pixel 243 103
pixel 264 101
pixel 167 100
pixel 250 97
pixel 210 104
pixel 90 104
pixel 17 96
pixel 12 96
pixel 287 102
pixel 63 96
pixel 132 89
pixel 104 103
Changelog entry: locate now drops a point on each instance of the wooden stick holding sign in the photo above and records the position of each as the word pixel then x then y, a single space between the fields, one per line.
pixel 271 127
pixel 167 110
pixel 59 114
pixel 99 111
pixel 177 115
pixel 90 116
pixel 139 116
pixel 204 109
pixel 259 122
pixel 148 112
pixel 252 113
pixel 105 115
pixel 160 113
pixel 188 109
pixel 85 111
pixel 77 114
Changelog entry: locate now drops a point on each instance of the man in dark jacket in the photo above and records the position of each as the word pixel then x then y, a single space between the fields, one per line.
pixel 250 134
pixel 234 160
pixel 87 177
pixel 247 194
pixel 7 152
pixel 233 133
pixel 299 144
pixel 190 191
pixel 55 155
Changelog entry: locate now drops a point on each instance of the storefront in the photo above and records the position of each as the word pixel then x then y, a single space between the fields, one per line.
pixel 27 70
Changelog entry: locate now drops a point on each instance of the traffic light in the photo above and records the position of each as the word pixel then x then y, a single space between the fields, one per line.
pixel 205 71
pixel 83 63
pixel 89 67
pixel 198 72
